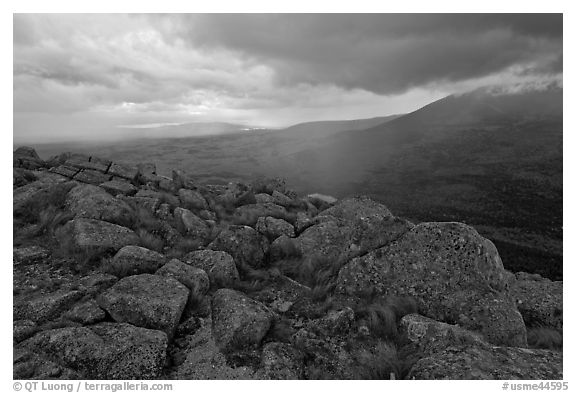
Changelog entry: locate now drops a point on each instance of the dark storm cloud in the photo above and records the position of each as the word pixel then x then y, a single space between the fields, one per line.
pixel 264 69
pixel 383 53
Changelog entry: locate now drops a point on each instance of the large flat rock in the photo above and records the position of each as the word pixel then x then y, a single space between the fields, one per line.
pixel 539 300
pixel 43 307
pixel 88 201
pixel 103 351
pixel 245 244
pixel 219 265
pixel 96 235
pixel 132 260
pixel 473 362
pixel 147 300
pixel 237 320
pixel 455 274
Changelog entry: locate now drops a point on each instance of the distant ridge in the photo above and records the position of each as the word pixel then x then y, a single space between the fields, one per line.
pixel 320 129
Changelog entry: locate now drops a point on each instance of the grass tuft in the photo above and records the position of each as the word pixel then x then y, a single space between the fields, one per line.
pixel 378 363
pixel 381 315
pixel 53 197
pixel 149 240
pixel 545 338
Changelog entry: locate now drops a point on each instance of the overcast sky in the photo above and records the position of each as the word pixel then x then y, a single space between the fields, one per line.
pixel 80 76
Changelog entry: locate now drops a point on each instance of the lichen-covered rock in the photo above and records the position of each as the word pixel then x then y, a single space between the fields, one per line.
pixel 162 196
pixel 303 221
pixel 150 204
pixel 328 240
pixel 37 191
pixel 430 336
pixel 30 254
pixel 358 208
pixel 23 329
pixel 86 313
pixel 234 195
pixel 132 260
pixel 281 199
pixel 269 185
pixel 371 223
pixel 26 151
pixel 86 162
pixel 163 212
pixel 21 177
pixel 28 365
pixel 455 274
pixel 26 157
pixel 352 227
pixel 95 283
pixel 146 300
pixel 96 235
pixel 539 300
pixel 203 360
pixel 284 247
pixel 283 295
pixel 92 177
pixel 282 361
pixel 101 161
pixel 104 351
pixel 65 170
pixel 194 225
pixel 191 199
pixel 264 198
pixel 166 185
pixel 39 307
pixel 219 265
pixel 207 215
pixel 122 170
pixel 250 213
pixel 195 279
pixel 182 179
pixel 244 243
pixel 480 362
pixel 88 201
pixel 146 168
pixel 335 323
pixel 325 359
pixel 237 320
pixel 320 201
pixel 273 228
pixel 116 187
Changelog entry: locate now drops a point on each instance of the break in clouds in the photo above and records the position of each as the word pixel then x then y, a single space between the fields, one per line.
pixel 74 74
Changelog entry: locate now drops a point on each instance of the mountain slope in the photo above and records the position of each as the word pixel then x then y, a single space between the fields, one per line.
pixel 321 129
pixel 494 161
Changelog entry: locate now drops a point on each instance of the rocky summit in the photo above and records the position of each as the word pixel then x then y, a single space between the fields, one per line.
pixel 120 273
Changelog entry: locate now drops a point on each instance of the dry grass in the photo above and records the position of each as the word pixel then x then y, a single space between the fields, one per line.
pixel 53 197
pixel 378 363
pixel 78 260
pixel 381 315
pixel 150 241
pixel 183 247
pixel 545 338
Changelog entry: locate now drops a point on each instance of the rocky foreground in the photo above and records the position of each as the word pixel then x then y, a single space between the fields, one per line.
pixel 123 274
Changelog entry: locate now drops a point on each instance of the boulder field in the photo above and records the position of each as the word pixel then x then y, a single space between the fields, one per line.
pixel 120 273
